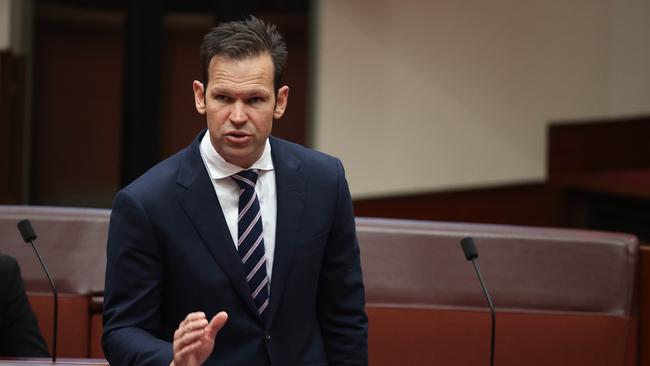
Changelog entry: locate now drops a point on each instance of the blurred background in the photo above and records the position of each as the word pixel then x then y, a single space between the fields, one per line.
pixel 517 112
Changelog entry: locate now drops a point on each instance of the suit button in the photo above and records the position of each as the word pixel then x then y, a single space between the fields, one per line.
pixel 268 337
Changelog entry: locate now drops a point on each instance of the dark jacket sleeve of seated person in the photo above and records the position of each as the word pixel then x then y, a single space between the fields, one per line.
pixel 19 332
pixel 170 253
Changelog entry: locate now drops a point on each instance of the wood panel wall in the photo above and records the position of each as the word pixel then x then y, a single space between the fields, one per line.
pixel 535 204
pixel 12 127
pixel 576 148
pixel 78 58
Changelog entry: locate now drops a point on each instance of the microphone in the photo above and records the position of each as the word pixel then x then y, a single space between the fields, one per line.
pixel 28 234
pixel 471 254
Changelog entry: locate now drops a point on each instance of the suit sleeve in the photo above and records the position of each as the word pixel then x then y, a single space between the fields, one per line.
pixel 133 329
pixel 341 296
pixel 19 332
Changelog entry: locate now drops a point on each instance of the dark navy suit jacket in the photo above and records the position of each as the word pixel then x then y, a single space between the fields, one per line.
pixel 170 253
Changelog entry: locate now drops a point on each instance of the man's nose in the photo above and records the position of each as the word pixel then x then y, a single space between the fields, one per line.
pixel 238 113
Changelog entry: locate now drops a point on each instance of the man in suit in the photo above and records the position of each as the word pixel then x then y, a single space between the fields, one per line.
pixel 19 332
pixel 241 234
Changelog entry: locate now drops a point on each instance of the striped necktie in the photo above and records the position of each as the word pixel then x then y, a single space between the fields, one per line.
pixel 250 243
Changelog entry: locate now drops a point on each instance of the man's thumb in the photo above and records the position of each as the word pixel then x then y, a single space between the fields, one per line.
pixel 216 323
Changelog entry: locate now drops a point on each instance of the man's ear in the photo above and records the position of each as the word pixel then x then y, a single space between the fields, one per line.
pixel 281 102
pixel 199 96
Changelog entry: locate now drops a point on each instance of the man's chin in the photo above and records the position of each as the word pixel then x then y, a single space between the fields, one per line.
pixel 243 158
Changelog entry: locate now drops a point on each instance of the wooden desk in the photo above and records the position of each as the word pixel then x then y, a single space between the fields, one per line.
pixel 613 200
pixel 48 361
pixel 618 200
pixel 630 183
pixel 644 331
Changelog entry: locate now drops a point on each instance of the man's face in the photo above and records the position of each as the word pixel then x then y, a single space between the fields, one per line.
pixel 240 106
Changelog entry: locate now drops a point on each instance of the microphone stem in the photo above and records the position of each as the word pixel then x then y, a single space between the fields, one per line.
pixel 492 310
pixel 56 300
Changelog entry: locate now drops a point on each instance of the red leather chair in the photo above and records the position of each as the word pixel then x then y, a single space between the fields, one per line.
pixel 563 297
pixel 72 242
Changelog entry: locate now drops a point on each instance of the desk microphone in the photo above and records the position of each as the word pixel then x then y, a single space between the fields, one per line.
pixel 28 234
pixel 471 254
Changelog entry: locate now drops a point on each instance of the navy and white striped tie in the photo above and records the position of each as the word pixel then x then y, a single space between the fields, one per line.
pixel 250 243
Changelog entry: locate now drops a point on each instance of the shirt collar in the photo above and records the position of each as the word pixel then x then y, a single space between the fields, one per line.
pixel 219 168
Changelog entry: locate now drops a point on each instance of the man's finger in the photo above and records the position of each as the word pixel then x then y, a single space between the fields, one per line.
pixel 195 324
pixel 216 323
pixel 193 316
pixel 190 327
pixel 186 350
pixel 188 338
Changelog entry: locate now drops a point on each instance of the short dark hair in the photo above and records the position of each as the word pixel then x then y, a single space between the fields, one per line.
pixel 242 39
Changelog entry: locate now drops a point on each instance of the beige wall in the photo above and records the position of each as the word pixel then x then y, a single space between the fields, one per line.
pixel 15 25
pixel 5 25
pixel 430 95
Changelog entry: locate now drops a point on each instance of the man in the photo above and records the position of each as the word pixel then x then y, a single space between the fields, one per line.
pixel 19 332
pixel 240 234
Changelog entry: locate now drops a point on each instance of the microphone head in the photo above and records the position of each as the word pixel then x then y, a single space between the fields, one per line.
pixel 26 230
pixel 469 248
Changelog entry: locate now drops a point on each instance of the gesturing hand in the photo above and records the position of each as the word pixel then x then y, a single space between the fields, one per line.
pixel 194 338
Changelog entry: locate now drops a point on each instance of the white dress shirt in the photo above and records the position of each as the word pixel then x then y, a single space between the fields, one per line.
pixel 228 193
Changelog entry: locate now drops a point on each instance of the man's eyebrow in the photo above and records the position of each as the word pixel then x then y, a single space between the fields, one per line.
pixel 219 90
pixel 256 91
pixel 259 92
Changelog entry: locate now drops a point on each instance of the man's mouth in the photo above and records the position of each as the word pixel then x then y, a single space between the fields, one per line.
pixel 238 137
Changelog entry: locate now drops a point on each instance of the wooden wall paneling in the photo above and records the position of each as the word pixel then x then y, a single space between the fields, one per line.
pixel 533 204
pixel 76 134
pixel 180 122
pixel 12 127
pixel 5 131
pixel 142 97
pixel 587 147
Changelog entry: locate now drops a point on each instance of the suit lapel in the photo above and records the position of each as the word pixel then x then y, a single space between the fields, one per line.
pixel 201 204
pixel 290 188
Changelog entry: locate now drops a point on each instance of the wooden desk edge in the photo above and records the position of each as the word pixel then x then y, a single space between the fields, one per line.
pixel 17 361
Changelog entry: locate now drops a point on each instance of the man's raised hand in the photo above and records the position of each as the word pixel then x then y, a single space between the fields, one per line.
pixel 194 338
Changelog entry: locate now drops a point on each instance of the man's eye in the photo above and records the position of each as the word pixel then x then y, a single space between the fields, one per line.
pixel 254 100
pixel 222 98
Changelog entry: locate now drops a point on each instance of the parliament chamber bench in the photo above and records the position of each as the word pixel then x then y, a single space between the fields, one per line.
pixel 72 242
pixel 563 297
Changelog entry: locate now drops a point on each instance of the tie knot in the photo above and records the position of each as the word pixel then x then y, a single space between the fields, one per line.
pixel 246 178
